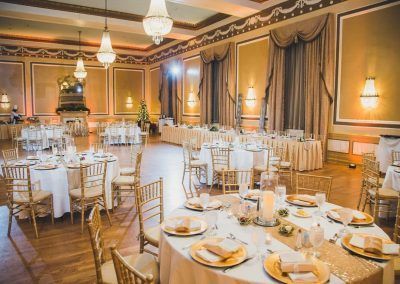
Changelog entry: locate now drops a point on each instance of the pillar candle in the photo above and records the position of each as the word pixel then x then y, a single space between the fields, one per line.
pixel 268 205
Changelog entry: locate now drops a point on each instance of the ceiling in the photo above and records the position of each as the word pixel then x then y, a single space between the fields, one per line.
pixel 50 22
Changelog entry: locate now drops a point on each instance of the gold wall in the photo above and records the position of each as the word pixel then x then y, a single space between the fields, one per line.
pixel 251 72
pixel 96 90
pixel 12 82
pixel 152 99
pixel 128 83
pixel 191 80
pixel 370 45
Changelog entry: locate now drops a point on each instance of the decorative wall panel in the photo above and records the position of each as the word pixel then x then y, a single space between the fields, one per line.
pixel 12 82
pixel 128 83
pixel 153 101
pixel 190 85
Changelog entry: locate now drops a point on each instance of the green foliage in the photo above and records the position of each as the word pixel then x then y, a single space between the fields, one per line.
pixel 73 108
pixel 143 113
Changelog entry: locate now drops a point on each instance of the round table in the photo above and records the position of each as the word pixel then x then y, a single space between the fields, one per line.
pixel 61 180
pixel 177 266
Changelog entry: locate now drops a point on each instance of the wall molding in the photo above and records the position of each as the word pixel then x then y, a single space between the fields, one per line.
pixel 183 87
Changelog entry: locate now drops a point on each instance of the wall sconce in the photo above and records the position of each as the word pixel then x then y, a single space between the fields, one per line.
pixel 4 101
pixel 192 100
pixel 129 102
pixel 369 96
pixel 251 97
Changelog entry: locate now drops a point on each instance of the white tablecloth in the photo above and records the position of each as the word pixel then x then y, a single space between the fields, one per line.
pixel 59 181
pixel 392 178
pixel 177 266
pixel 164 121
pixel 122 131
pixel 384 151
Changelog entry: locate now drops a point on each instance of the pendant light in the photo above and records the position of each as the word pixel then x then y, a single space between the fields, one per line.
pixel 157 22
pixel 80 72
pixel 106 54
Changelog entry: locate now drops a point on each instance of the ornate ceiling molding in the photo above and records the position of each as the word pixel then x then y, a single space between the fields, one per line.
pixel 8 50
pixel 264 18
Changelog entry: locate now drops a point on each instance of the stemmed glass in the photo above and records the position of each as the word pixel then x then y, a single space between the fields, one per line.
pixel 280 192
pixel 243 188
pixel 316 238
pixel 211 219
pixel 258 237
pixel 320 199
pixel 204 200
pixel 346 216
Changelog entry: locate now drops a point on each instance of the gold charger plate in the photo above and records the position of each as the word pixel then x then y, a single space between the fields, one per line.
pixel 273 268
pixel 293 200
pixel 367 221
pixel 236 258
pixel 173 232
pixel 346 243
pixel 192 207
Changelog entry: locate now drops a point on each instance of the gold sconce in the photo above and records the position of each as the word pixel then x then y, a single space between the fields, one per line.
pixel 192 99
pixel 129 102
pixel 369 96
pixel 251 97
pixel 4 100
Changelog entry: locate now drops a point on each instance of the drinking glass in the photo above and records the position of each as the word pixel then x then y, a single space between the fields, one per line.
pixel 243 188
pixel 320 199
pixel 316 238
pixel 346 216
pixel 204 200
pixel 212 219
pixel 258 238
pixel 280 192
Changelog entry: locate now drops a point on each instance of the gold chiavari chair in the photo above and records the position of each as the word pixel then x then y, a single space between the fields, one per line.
pixel 114 136
pixel 91 191
pixel 10 156
pixel 21 195
pixel 126 184
pixel 285 166
pixel 16 140
pixel 232 179
pixel 100 131
pixel 145 132
pixel 373 192
pixel 396 234
pixel 220 161
pixel 143 271
pixel 149 204
pixel 395 157
pixel 365 175
pixel 99 146
pixel 130 170
pixel 311 184
pixel 190 165
pixel 105 272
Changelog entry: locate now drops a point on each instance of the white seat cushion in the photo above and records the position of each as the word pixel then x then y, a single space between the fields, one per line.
pixel 263 168
pixel 127 171
pixel 124 180
pixel 385 193
pixel 153 235
pixel 145 263
pixel 37 195
pixel 198 163
pixel 89 192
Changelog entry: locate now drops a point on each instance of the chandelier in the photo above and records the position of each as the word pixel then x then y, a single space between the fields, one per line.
pixel 106 54
pixel 157 22
pixel 80 72
pixel 4 100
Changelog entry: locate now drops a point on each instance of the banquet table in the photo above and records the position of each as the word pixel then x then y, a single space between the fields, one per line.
pixel 122 131
pixel 387 144
pixel 5 130
pixel 392 178
pixel 61 180
pixel 177 266
pixel 307 155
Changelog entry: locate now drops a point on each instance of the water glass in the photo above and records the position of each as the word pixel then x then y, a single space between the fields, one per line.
pixel 258 238
pixel 211 219
pixel 280 193
pixel 317 237
pixel 243 188
pixel 346 216
pixel 204 200
pixel 320 199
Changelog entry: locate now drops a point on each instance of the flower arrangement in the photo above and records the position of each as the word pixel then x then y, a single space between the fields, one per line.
pixel 283 212
pixel 214 129
pixel 286 230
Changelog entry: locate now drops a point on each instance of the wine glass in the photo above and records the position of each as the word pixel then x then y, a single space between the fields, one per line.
pixel 280 192
pixel 243 188
pixel 211 219
pixel 204 200
pixel 320 199
pixel 346 216
pixel 316 238
pixel 257 237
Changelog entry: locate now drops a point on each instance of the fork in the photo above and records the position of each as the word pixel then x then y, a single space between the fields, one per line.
pixel 233 237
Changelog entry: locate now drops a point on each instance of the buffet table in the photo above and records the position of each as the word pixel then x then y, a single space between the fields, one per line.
pixel 306 155
pixel 177 266
pixel 5 130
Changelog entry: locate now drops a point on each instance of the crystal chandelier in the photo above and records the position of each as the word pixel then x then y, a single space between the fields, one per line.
pixel 106 54
pixel 157 22
pixel 4 100
pixel 80 72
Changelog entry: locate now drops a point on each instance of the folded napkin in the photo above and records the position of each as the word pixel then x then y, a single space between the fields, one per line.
pixel 208 256
pixel 358 215
pixel 182 225
pixel 295 262
pixel 303 277
pixel 334 214
pixel 374 245
pixel 251 193
pixel 305 199
pixel 224 249
pixel 195 201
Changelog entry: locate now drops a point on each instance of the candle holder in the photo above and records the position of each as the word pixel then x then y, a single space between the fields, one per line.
pixel 266 223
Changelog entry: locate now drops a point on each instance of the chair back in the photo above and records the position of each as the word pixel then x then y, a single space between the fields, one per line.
pixel 232 179
pixel 10 155
pixel 149 203
pixel 137 158
pixel 370 173
pixel 311 184
pixel 93 176
pixel 395 157
pixel 220 158
pixel 126 274
pixel 96 240
pixel 13 132
pixel 187 153
pixel 57 132
pixel 18 182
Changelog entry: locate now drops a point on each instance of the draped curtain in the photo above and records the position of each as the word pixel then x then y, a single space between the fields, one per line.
pixel 169 89
pixel 300 76
pixel 216 89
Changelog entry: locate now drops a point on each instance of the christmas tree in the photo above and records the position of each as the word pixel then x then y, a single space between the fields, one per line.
pixel 143 115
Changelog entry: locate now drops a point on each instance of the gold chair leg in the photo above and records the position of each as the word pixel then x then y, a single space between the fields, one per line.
pixel 34 221
pixel 106 208
pixel 52 209
pixel 82 214
pixel 112 197
pixel 10 214
pixel 71 209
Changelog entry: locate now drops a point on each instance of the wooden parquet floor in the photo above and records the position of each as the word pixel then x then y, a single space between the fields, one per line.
pixel 63 255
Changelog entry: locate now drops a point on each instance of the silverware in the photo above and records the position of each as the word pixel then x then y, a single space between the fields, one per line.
pixel 229 268
pixel 232 236
pixel 365 226
pixel 270 251
pixel 192 243
pixel 334 239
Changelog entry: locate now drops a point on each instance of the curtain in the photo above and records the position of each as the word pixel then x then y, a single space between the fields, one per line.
pixel 170 95
pixel 216 88
pixel 300 75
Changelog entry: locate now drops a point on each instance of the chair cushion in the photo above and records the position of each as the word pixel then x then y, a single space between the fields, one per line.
pixel 127 171
pixel 89 192
pixel 153 235
pixel 145 263
pixel 285 164
pixel 37 195
pixel 124 180
pixel 198 163
pixel 385 193
pixel 263 168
